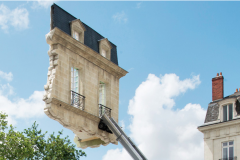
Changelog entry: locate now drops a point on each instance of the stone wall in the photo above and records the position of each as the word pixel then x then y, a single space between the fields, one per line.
pixel 215 135
pixel 64 53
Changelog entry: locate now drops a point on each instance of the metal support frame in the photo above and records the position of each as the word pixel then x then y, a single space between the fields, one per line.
pixel 123 138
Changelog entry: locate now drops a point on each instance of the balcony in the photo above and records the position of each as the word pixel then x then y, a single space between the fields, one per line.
pixel 230 158
pixel 104 110
pixel 77 100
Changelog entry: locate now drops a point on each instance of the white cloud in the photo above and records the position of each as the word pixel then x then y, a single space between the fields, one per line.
pixel 122 124
pixel 120 17
pixel 139 5
pixel 160 131
pixel 20 108
pixel 17 18
pixel 43 3
pixel 6 89
pixel 117 154
pixel 6 76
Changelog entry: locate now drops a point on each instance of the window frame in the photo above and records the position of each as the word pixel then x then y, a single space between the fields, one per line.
pixel 103 95
pixel 104 45
pixel 227 110
pixel 228 149
pixel 77 27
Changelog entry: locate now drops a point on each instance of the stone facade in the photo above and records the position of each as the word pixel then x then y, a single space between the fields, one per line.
pixel 66 52
pixel 216 134
pixel 222 125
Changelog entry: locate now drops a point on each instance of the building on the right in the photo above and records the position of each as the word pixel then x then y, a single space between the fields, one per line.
pixel 221 128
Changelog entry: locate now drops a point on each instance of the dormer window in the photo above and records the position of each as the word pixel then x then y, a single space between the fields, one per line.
pixel 77 30
pixel 105 48
pixel 227 112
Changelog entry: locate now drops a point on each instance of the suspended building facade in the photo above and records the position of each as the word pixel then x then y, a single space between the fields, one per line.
pixel 83 79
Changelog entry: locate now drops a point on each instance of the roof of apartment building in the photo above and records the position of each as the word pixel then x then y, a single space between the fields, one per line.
pixel 61 19
pixel 217 97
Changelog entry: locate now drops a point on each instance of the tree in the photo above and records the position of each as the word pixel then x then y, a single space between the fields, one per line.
pixel 32 145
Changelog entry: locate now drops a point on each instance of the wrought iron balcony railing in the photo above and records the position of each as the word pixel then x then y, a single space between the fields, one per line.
pixel 230 158
pixel 77 100
pixel 104 110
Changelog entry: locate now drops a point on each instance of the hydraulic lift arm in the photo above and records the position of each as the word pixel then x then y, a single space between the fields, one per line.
pixel 123 138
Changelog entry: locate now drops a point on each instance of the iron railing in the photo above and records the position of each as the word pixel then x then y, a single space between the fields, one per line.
pixel 77 100
pixel 230 158
pixel 104 110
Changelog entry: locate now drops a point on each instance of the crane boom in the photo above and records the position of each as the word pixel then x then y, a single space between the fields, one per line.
pixel 126 142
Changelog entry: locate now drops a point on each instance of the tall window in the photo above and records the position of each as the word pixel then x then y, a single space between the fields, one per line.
pixel 76 35
pixel 102 93
pixel 228 150
pixel 74 80
pixel 227 112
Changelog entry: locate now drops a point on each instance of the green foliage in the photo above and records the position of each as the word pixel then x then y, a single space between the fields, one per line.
pixel 32 145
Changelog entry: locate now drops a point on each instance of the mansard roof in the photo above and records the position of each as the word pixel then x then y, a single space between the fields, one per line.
pixel 213 107
pixel 62 19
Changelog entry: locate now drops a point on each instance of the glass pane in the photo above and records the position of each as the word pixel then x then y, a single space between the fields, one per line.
pixel 225 144
pixel 102 93
pixel 230 111
pixel 231 143
pixel 225 152
pixel 103 53
pixel 224 113
pixel 76 72
pixel 230 152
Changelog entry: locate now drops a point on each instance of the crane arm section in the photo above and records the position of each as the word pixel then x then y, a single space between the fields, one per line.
pixel 126 142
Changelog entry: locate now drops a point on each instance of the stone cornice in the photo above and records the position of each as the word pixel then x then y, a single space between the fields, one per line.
pixel 57 36
pixel 219 125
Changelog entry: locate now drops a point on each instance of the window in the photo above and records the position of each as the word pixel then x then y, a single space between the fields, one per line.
pixel 76 35
pixel 104 53
pixel 102 93
pixel 77 100
pixel 227 112
pixel 227 150
pixel 105 48
pixel 77 30
pixel 74 80
pixel 103 109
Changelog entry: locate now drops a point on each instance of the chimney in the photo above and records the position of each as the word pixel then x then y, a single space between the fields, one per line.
pixel 217 87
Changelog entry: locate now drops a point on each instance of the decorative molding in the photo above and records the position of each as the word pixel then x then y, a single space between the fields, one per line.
pixel 58 37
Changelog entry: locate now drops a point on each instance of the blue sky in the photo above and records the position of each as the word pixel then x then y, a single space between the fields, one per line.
pixel 170 49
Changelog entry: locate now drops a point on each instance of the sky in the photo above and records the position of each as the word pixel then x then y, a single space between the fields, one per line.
pixel 171 50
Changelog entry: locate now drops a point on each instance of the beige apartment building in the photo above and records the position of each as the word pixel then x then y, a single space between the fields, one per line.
pixel 221 128
pixel 83 79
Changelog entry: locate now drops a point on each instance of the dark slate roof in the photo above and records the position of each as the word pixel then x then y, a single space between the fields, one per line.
pixel 61 19
pixel 213 107
pixel 212 112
